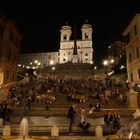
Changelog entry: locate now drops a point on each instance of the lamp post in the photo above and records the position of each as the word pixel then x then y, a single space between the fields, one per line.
pixel 36 62
pixel 53 69
pixel 112 63
pixel 105 63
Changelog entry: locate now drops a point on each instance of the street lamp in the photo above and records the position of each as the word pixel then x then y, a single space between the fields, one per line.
pixel 38 64
pixel 112 61
pixel 105 62
pixel 95 67
pixel 53 69
pixel 51 62
pixel 36 61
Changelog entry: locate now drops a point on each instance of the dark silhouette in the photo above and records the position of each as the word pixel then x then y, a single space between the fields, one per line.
pixel 70 115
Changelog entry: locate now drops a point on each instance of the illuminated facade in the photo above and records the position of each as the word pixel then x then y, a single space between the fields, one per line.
pixel 132 36
pixel 82 47
pixel 9 51
pixel 38 60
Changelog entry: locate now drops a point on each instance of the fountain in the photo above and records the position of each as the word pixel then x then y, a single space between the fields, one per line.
pixel 130 131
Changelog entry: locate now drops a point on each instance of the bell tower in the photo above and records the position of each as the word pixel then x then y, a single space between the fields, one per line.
pixel 65 32
pixel 86 31
pixel 65 50
pixel 86 48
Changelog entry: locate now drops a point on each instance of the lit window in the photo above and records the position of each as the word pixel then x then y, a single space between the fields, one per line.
pixel 86 35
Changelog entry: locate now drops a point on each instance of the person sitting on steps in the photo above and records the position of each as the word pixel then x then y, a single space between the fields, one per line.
pixel 83 122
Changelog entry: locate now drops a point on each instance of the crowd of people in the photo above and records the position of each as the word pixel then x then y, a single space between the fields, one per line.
pixel 87 93
pixel 112 120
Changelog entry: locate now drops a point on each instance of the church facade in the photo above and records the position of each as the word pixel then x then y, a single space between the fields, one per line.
pixel 70 48
pixel 71 51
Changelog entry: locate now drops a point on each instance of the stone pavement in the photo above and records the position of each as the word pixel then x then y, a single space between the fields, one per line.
pixel 51 138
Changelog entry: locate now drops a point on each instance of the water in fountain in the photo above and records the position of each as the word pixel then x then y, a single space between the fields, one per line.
pixel 130 131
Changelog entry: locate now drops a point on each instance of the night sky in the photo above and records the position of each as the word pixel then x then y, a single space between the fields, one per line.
pixel 40 21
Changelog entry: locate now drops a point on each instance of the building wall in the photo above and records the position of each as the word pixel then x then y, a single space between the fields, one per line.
pixel 132 33
pixel 9 51
pixel 38 59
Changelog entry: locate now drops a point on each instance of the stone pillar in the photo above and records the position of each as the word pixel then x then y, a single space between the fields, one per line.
pixel 132 97
pixel 99 132
pixel 55 132
pixel 6 130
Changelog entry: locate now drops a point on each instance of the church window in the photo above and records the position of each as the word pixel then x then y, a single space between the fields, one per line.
pixel 65 37
pixel 64 54
pixel 86 54
pixel 64 59
pixel 86 35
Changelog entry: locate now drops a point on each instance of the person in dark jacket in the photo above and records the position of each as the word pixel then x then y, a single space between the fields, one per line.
pixel 108 119
pixel 70 115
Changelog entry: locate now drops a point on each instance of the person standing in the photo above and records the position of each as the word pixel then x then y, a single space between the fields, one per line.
pixel 70 115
